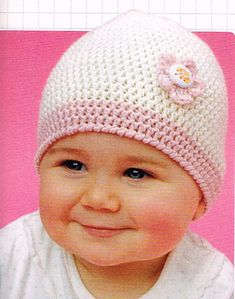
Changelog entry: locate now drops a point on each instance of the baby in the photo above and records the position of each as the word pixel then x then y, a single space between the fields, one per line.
pixel 131 150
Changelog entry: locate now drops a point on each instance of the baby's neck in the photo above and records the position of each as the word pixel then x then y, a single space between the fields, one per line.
pixel 120 281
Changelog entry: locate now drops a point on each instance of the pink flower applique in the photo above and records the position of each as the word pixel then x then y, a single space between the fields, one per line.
pixel 179 79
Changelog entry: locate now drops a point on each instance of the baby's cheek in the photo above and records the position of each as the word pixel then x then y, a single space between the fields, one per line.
pixel 163 228
pixel 57 197
pixel 54 217
pixel 55 203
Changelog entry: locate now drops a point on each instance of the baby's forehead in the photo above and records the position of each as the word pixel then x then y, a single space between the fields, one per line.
pixel 111 145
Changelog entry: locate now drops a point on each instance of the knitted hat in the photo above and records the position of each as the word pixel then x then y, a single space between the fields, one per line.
pixel 144 77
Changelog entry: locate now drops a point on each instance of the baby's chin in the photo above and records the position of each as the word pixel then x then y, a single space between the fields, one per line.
pixel 101 261
pixel 111 261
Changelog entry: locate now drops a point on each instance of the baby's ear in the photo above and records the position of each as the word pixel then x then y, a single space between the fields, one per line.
pixel 200 209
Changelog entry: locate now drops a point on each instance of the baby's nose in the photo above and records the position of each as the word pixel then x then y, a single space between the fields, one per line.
pixel 101 196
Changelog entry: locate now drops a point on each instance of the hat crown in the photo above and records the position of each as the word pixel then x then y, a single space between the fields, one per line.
pixel 118 62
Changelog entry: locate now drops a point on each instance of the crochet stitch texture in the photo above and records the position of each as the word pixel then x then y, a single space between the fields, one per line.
pixel 107 81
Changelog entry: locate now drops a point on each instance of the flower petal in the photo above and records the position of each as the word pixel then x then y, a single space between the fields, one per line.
pixel 197 88
pixel 181 96
pixel 166 60
pixel 191 65
pixel 165 82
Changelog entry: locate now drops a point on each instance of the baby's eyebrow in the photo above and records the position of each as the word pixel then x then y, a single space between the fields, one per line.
pixel 68 150
pixel 146 160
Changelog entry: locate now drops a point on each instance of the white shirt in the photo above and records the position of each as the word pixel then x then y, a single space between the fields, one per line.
pixel 32 266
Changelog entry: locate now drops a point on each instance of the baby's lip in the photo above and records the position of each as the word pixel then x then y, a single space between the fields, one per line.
pixel 102 231
pixel 103 227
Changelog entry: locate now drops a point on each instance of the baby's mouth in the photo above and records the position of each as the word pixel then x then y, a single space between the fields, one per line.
pixel 102 232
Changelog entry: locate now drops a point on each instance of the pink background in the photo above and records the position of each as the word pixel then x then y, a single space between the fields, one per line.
pixel 26 59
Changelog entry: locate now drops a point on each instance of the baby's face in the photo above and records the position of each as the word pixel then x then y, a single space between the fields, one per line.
pixel 113 200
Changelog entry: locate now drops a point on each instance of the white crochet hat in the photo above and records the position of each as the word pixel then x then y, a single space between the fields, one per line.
pixel 143 77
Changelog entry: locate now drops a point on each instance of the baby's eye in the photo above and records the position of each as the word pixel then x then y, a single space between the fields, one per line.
pixel 74 165
pixel 136 173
